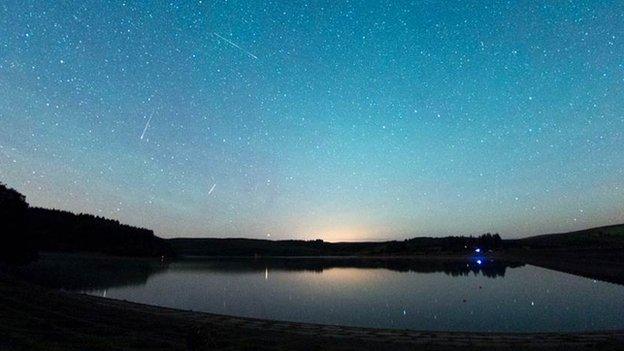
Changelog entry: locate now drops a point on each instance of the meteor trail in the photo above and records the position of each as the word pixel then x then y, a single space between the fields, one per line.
pixel 147 125
pixel 236 46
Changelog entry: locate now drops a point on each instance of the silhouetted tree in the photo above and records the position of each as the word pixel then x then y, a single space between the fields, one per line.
pixel 57 230
pixel 25 230
pixel 489 241
pixel 16 245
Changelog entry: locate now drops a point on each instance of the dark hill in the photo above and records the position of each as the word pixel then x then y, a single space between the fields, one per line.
pixel 608 237
pixel 601 242
pixel 55 230
pixel 24 231
pixel 256 247
pixel 16 243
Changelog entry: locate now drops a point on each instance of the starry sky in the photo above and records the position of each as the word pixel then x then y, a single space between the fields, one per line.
pixel 339 120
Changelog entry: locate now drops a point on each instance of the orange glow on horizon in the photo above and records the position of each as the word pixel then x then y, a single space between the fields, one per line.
pixel 343 235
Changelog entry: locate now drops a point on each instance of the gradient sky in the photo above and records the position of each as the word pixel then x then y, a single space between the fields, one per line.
pixel 340 120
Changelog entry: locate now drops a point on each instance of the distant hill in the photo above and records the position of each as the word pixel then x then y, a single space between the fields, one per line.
pixel 600 241
pixel 608 237
pixel 596 253
pixel 256 247
pixel 24 231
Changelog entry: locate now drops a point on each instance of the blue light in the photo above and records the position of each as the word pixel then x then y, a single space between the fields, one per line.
pixel 477 250
pixel 478 261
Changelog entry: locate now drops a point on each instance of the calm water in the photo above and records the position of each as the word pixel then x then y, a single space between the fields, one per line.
pixel 423 294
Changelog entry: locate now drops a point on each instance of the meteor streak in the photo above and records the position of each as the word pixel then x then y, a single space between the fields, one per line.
pixel 147 125
pixel 235 45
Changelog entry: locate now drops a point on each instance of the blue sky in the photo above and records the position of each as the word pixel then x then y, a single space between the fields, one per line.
pixel 344 120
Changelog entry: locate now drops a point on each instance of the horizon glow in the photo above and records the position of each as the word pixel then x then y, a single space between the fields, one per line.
pixel 344 121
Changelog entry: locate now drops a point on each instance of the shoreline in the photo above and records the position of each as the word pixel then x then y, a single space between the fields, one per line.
pixel 38 318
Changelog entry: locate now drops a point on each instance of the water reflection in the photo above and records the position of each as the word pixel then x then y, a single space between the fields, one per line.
pixel 451 266
pixel 475 294
pixel 89 273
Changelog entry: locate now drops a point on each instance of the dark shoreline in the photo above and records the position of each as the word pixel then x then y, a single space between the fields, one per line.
pixel 37 318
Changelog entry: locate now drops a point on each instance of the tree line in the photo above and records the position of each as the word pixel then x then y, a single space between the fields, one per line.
pixel 26 231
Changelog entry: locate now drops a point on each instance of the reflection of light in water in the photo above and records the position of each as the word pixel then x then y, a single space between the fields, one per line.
pixel 480 259
pixel 96 292
pixel 351 276
pixel 266 274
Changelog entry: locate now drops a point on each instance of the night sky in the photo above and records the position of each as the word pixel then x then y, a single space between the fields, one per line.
pixel 340 120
